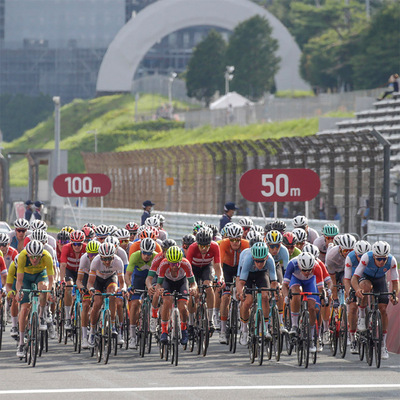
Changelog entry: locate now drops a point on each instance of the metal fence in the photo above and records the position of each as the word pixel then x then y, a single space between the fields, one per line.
pixel 205 176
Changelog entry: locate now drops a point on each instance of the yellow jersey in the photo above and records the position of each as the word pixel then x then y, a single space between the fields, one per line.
pixel 25 265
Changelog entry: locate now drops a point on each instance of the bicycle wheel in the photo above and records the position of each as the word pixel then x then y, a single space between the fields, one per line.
pixel 377 336
pixel 107 336
pixel 260 337
pixel 315 342
pixel 78 326
pixel 2 324
pixel 99 345
pixel 305 334
pixel 60 317
pixel 287 320
pixel 361 349
pixel 41 343
pixel 205 329
pixel 276 333
pixel 333 334
pixel 148 341
pixel 252 339
pixel 369 344
pixel 125 326
pixel 233 325
pixel 143 330
pixel 34 338
pixel 175 339
pixel 343 331
pixel 299 348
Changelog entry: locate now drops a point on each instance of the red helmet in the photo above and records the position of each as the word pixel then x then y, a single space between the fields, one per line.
pixel 77 236
pixel 132 226
pixel 89 232
pixel 148 233
pixel 90 225
pixel 289 239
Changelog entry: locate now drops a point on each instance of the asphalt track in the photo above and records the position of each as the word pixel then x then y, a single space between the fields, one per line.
pixel 62 374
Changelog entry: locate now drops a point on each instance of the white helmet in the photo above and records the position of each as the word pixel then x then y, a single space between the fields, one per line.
pixel 38 224
pixel 381 249
pixel 122 234
pixel 300 221
pixel 246 222
pixel 106 249
pixel 21 223
pixel 152 221
pixel 336 240
pixel 40 235
pixel 258 228
pixel 113 240
pixel 34 248
pixel 306 261
pixel 361 247
pixel 234 231
pixel 147 245
pixel 300 234
pixel 347 241
pixel 312 249
pixel 251 234
pixel 4 239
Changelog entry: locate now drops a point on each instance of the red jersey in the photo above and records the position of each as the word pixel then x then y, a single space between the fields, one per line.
pixel 184 270
pixel 69 257
pixel 325 273
pixel 9 257
pixel 201 260
pixel 3 268
pixel 156 262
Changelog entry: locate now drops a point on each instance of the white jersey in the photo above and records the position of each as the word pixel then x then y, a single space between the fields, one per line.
pixel 312 234
pixel 334 261
pixel 98 268
pixel 84 264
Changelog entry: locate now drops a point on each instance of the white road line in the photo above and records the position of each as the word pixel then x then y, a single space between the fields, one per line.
pixel 202 388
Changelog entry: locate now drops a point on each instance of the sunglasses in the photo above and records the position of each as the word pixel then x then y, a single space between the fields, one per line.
pixel 63 241
pixel 301 243
pixel 91 255
pixel 274 246
pixel 290 247
pixel 77 244
pixel 346 251
pixel 235 240
pixel 147 253
pixel 204 246
pixel 124 241
pixel 381 259
pixel 107 258
pixel 3 244
pixel 174 264
pixel 35 257
pixel 20 230
pixel 260 261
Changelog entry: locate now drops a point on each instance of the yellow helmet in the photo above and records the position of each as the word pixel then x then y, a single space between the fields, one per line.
pixel 174 254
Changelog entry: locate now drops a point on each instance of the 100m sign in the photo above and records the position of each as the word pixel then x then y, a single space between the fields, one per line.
pixel 82 185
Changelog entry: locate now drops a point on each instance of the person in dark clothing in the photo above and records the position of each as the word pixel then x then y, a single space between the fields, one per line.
pixel 393 86
pixel 38 211
pixel 229 209
pixel 147 204
pixel 29 210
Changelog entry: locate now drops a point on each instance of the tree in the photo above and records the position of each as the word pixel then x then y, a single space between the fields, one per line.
pixel 251 50
pixel 205 72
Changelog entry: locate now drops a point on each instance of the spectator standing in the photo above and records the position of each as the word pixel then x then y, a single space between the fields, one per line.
pixel 38 211
pixel 229 209
pixel 29 210
pixel 147 204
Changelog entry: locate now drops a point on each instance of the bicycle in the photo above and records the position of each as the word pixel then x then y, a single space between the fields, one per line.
pixel 274 345
pixel 60 312
pixel 287 322
pixel 76 321
pixel 338 325
pixel 371 339
pixel 232 325
pixel 2 316
pixel 143 331
pixel 125 323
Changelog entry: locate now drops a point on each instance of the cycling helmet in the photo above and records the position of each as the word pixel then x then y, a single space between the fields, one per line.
pixel 152 221
pixel 258 228
pixel 198 225
pixel 224 233
pixel 246 222
pixel 4 239
pixel 112 229
pixel 63 236
pixel 106 250
pixel 214 228
pixel 300 234
pixel 259 250
pixel 89 225
pixel 300 221
pixel 40 235
pixel 147 245
pixel 21 223
pixel 361 247
pixel 188 239
pixel 252 234
pixel 289 239
pixel 34 248
pixel 38 224
pixel 93 247
pixel 312 249
pixel 68 229
pixel 122 234
pixel 147 233
pixel 336 240
pixel 274 237
pixel 89 232
pixel 113 240
pixel 330 230
pixel 204 237
pixel 77 236
pixel 174 254
pixel 167 243
pixel 101 230
pixel 279 225
pixel 234 231
pixel 155 230
pixel 347 241
pixel 256 239
pixel 161 218
pixel 381 249
pixel 268 227
pixel 306 261
pixel 132 227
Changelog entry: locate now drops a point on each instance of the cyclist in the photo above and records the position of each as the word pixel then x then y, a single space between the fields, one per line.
pixel 92 250
pixel 89 233
pixel 39 224
pixel 17 236
pixel 302 222
pixel 101 232
pixel 174 275
pixel 278 225
pixel 3 271
pixel 305 272
pixel 230 250
pixel 11 292
pixel 163 234
pixel 246 223
pixel 352 260
pixel 35 265
pixel 151 281
pixel 9 253
pixel 62 239
pixel 187 240
pixel 255 266
pixel 146 233
pixel 329 231
pixel 301 237
pixel 370 274
pixel 289 241
pixel 135 277
pixel 123 237
pixel 201 255
pixel 132 228
pixel 71 254
pixel 106 274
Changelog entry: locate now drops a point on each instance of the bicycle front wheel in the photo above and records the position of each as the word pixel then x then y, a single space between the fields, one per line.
pixel 34 344
pixel 377 336
pixel 305 337
pixel 276 333
pixel 333 334
pixel 343 331
pixel 2 323
pixel 205 329
pixel 288 326
pixel 107 336
pixel 369 343
pixel 260 337
pixel 233 325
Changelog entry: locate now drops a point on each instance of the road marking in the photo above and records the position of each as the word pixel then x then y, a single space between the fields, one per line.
pixel 196 388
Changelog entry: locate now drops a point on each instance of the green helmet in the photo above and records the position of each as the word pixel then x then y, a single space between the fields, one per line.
pixel 93 247
pixel 259 250
pixel 330 230
pixel 174 254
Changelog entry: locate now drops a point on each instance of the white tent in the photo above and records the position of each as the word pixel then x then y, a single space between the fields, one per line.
pixel 230 99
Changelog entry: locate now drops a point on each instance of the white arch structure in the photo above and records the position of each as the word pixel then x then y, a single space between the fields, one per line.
pixel 163 17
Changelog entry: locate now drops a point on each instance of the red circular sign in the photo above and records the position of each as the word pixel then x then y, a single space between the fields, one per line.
pixel 82 185
pixel 270 185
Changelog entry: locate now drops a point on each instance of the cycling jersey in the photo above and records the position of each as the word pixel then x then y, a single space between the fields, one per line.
pixel 228 255
pixel 321 244
pixel 84 264
pixel 155 265
pixel 9 257
pixel 12 274
pixel 293 270
pixel 137 265
pixel 50 240
pixel 136 247
pixel 201 260
pixel 334 260
pixel 247 265
pixel 98 268
pixel 351 264
pixel 312 235
pixel 368 268
pixel 295 253
pixel 14 241
pixel 3 267
pixel 122 255
pixel 282 257
pixel 25 265
pixel 69 257
pixel 325 273
pixel 185 270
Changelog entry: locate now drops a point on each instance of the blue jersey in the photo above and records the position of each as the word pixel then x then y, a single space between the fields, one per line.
pixel 293 270
pixel 351 264
pixel 368 267
pixel 282 257
pixel 246 265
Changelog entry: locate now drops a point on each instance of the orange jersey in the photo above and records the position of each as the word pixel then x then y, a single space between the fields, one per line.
pixel 228 255
pixel 136 246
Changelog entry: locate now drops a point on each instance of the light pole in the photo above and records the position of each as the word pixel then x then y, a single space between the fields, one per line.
pixel 170 81
pixel 95 139
pixel 56 100
pixel 228 76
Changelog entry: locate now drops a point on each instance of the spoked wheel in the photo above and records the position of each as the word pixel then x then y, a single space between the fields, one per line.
pixel 288 326
pixel 99 346
pixel 299 350
pixel 377 337
pixel 106 337
pixel 41 341
pixel 125 328
pixel 369 344
pixel 148 341
pixel 2 324
pixel 260 338
pixel 333 337
pixel 175 340
pixel 343 332
pixel 206 330
pixel 361 349
pixel 315 342
pixel 251 342
pixel 78 330
pixel 233 325
pixel 34 339
pixel 276 334
pixel 306 338
pixel 60 317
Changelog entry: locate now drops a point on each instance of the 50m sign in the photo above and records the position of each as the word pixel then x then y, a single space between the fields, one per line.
pixel 270 185
pixel 82 185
